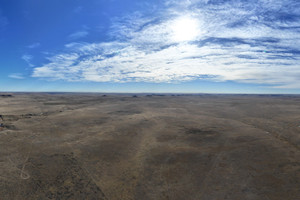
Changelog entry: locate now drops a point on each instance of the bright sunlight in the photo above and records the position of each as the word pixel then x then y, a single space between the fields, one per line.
pixel 185 29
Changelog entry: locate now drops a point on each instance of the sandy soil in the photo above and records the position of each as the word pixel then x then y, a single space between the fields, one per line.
pixel 121 147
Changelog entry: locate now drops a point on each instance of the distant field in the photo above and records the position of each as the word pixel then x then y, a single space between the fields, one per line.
pixel 126 146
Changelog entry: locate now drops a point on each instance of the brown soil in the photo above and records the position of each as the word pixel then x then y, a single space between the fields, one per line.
pixel 95 146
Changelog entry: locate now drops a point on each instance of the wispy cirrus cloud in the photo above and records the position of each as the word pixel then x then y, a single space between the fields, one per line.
pixel 34 45
pixel 16 76
pixel 27 58
pixel 78 35
pixel 217 40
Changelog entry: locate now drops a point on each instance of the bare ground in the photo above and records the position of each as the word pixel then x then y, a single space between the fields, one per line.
pixel 93 146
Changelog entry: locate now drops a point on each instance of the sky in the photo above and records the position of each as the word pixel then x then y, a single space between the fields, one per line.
pixel 177 46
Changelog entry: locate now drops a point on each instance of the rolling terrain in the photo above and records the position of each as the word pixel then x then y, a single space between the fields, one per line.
pixel 124 146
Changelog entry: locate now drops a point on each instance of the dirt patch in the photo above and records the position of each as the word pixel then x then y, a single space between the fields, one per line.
pixel 126 112
pixel 203 137
pixel 59 176
pixel 200 132
pixel 4 126
pixel 17 117
pixel 6 95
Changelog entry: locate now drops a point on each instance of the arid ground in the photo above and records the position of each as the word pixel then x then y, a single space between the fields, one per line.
pixel 177 147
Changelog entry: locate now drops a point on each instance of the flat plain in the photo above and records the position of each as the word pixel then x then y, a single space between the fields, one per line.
pixel 149 146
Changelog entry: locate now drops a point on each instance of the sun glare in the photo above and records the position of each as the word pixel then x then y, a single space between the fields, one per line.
pixel 184 29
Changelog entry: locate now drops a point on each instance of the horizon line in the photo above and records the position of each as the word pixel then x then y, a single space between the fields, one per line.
pixel 169 93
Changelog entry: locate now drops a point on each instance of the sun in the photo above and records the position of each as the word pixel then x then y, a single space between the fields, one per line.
pixel 184 29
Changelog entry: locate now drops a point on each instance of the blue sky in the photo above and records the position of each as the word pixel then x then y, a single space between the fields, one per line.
pixel 218 46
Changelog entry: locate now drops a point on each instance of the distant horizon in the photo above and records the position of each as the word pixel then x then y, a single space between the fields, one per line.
pixel 149 93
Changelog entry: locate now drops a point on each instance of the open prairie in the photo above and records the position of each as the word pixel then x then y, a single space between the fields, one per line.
pixel 121 147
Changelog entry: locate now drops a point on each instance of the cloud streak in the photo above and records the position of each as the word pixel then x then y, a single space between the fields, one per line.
pixel 16 76
pixel 27 58
pixel 34 45
pixel 232 40
pixel 78 35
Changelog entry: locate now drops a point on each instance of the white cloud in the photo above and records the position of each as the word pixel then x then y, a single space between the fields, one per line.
pixel 78 35
pixel 228 42
pixel 16 76
pixel 34 45
pixel 27 58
